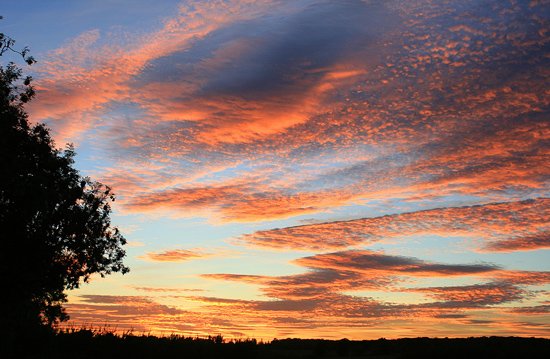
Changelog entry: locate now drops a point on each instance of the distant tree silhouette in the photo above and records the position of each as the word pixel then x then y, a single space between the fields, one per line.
pixel 55 225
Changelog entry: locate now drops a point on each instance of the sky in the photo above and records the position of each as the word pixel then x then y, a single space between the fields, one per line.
pixel 313 169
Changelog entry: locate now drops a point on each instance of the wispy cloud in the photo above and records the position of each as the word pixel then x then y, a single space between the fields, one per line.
pixel 175 255
pixel 477 294
pixel 507 226
pixel 164 289
pixel 374 264
pixel 425 104
pixel 253 111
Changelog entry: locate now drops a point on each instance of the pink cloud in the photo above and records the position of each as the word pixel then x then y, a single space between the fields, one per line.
pixel 503 226
pixel 175 255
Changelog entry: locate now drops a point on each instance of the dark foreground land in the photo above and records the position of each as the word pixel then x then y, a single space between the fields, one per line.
pixel 93 344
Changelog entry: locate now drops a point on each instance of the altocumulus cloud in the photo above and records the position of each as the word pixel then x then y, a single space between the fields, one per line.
pixel 251 111
pixel 404 105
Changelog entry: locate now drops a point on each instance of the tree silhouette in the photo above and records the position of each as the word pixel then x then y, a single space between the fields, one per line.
pixel 6 44
pixel 55 225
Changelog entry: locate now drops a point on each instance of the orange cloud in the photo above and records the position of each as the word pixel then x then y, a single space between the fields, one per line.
pixel 164 290
pixel 239 201
pixel 306 316
pixel 175 255
pixel 374 264
pixel 315 302
pixel 252 111
pixel 537 241
pixel 477 294
pixel 352 270
pixel 524 277
pixel 89 75
pixel 436 115
pixel 500 226
pixel 483 167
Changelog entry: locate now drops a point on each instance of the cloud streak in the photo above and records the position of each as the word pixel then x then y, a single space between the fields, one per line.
pixel 175 255
pixel 507 226
pixel 416 120
pixel 355 270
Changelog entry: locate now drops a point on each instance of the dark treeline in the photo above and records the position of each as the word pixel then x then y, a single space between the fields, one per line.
pixel 84 343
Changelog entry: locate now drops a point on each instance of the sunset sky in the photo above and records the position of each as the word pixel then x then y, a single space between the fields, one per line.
pixel 306 168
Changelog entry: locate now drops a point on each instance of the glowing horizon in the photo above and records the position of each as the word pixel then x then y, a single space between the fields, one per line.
pixel 312 169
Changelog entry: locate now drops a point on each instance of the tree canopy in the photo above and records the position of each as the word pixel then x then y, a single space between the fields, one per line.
pixel 56 226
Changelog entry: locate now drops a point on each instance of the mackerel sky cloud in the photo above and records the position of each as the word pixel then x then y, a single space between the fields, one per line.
pixel 310 168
